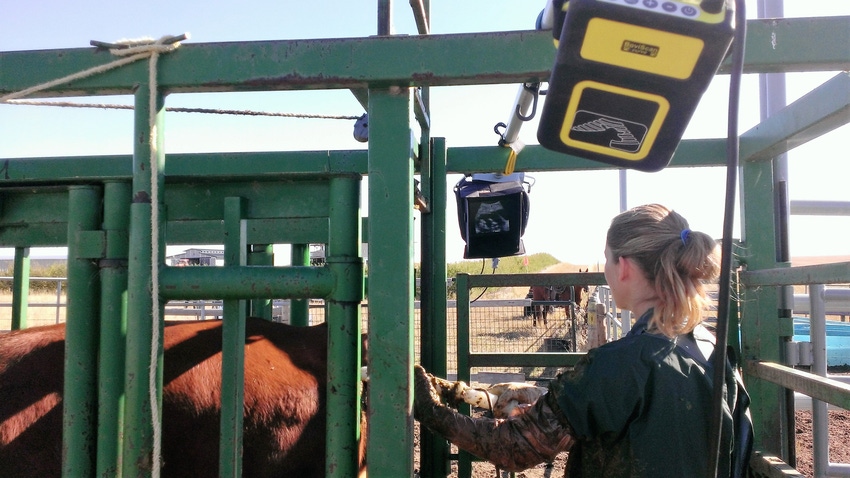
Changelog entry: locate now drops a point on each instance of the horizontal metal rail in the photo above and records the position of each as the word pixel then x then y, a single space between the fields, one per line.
pixel 315 63
pixel 835 273
pixel 514 280
pixel 820 388
pixel 245 282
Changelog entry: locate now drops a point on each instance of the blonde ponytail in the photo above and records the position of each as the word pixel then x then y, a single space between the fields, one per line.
pixel 676 260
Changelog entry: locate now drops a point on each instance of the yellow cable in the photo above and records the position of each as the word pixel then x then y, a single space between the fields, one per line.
pixel 511 164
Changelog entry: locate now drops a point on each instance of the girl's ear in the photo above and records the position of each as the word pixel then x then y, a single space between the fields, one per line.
pixel 624 269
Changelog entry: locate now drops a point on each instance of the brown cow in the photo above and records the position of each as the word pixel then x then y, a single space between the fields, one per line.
pixel 284 420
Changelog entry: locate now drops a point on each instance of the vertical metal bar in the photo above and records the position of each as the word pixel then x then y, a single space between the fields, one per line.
pixel 233 345
pixel 772 98
pixel 113 325
pixel 58 298
pixel 420 16
pixel 735 316
pixel 786 301
pixel 141 395
pixel 464 465
pixel 385 17
pixel 433 321
pixel 299 310
pixel 624 189
pixel 20 287
pixel 820 414
pixel 80 391
pixel 390 170
pixel 261 255
pixel 762 331
pixel 434 225
pixel 343 309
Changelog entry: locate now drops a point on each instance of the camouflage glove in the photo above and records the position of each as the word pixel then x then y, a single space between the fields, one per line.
pixel 534 436
pixel 426 399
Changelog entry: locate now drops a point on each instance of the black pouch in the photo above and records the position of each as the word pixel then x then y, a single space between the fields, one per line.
pixel 492 212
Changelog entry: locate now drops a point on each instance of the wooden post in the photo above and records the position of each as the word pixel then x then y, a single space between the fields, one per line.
pixel 592 320
pixel 601 325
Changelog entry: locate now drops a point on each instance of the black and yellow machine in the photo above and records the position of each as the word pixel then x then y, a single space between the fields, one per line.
pixel 628 76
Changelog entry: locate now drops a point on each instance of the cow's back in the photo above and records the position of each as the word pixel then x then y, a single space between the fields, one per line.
pixel 284 421
pixel 31 382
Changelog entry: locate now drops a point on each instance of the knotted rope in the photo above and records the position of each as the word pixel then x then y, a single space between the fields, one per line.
pixel 132 51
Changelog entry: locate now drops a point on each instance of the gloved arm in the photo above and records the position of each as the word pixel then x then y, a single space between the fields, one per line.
pixel 533 436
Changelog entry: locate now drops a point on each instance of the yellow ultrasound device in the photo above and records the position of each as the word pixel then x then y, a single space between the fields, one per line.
pixel 628 76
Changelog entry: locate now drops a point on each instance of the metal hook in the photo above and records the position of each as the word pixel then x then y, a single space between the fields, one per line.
pixel 500 133
pixel 534 89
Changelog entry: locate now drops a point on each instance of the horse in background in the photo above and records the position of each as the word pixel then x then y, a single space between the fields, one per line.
pixel 576 293
pixel 543 293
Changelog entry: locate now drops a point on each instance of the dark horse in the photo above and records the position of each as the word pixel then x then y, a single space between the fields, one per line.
pixel 570 295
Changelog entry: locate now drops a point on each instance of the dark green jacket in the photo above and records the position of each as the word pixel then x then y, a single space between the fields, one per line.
pixel 640 407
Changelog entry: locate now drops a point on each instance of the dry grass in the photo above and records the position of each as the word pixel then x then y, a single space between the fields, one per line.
pixel 41 310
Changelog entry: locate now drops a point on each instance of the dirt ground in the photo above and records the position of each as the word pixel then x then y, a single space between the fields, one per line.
pixel 839 439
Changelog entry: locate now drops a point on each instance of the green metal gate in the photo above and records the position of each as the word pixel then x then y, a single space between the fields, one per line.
pixel 115 218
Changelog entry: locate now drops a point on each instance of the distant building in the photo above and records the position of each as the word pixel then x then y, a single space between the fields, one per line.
pixel 197 257
pixel 317 254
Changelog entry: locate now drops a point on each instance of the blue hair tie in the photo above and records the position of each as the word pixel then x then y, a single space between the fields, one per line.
pixel 684 236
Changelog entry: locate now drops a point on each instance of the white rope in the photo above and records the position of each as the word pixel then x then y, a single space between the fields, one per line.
pixel 155 339
pixel 177 109
pixel 133 50
pixel 68 104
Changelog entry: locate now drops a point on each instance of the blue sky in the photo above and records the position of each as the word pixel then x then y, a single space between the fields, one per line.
pixel 463 115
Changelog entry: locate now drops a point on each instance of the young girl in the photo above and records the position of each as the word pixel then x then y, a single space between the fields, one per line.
pixel 636 407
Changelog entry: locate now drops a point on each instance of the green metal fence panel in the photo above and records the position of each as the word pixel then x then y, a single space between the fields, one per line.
pixel 349 63
pixel 822 110
pixel 299 310
pixel 434 450
pixel 233 346
pixel 464 466
pixel 343 309
pixel 81 338
pixel 143 385
pixel 113 326
pixel 286 198
pixel 261 255
pixel 390 281
pixel 34 217
pixel 20 287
